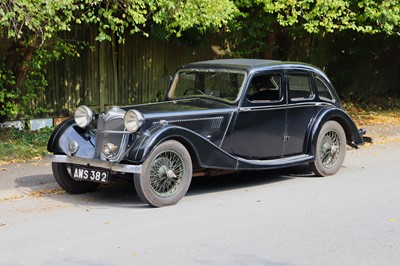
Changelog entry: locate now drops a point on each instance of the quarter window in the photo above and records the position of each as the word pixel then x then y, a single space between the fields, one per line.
pixel 299 87
pixel 323 92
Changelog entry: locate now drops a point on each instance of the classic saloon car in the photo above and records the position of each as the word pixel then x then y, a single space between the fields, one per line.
pixel 229 114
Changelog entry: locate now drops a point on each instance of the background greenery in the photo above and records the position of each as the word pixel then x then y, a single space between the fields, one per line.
pixel 355 41
pixel 20 145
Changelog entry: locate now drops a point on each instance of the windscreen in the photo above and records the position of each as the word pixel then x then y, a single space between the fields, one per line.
pixel 221 84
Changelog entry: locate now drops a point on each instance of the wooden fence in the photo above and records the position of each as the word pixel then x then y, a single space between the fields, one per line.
pixel 117 74
pixel 138 71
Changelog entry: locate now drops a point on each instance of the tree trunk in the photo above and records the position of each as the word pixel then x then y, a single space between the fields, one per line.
pixel 270 41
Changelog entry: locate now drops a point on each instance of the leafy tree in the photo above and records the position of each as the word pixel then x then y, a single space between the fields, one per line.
pixel 258 22
pixel 31 33
pixel 367 16
pixel 30 40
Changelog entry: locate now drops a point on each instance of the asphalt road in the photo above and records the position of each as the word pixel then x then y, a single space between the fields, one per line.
pixel 280 217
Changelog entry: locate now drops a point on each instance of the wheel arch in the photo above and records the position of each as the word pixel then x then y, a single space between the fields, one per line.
pixel 53 143
pixel 203 153
pixel 189 147
pixel 353 136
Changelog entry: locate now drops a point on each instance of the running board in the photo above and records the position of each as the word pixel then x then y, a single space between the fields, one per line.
pixel 244 164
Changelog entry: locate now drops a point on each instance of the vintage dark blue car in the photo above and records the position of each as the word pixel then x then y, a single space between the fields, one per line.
pixel 229 114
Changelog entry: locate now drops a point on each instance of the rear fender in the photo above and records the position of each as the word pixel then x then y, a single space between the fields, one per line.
pixel 207 154
pixel 353 136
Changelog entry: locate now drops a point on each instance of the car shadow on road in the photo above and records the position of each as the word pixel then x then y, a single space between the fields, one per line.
pixel 123 194
pixel 33 181
pixel 246 179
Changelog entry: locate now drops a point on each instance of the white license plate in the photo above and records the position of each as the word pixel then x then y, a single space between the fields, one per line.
pixel 90 174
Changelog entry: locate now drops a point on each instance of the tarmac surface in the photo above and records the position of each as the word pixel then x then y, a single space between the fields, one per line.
pixel 280 217
pixel 13 184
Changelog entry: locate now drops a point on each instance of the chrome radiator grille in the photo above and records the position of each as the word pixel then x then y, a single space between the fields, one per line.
pixel 110 130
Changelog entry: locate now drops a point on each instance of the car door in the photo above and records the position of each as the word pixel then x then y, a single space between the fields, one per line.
pixel 260 121
pixel 302 106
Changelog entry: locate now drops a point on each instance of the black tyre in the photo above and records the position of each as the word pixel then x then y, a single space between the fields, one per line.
pixel 166 175
pixel 62 174
pixel 330 149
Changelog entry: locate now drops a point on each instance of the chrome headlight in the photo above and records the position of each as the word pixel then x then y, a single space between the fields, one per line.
pixel 133 120
pixel 83 116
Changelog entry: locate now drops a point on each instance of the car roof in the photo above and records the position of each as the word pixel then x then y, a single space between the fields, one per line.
pixel 249 64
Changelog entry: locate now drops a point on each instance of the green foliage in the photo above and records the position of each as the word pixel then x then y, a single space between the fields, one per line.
pixel 36 21
pixel 7 108
pixel 32 32
pixel 32 40
pixel 34 29
pixel 367 16
pixel 247 33
pixel 16 100
pixel 22 145
pixel 262 25
pixel 175 17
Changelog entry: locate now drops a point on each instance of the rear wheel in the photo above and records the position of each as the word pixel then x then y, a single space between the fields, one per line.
pixel 166 176
pixel 62 174
pixel 330 149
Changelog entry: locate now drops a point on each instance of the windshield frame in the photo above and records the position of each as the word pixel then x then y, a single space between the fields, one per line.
pixel 173 86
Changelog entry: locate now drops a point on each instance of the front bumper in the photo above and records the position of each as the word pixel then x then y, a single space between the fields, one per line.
pixel 116 167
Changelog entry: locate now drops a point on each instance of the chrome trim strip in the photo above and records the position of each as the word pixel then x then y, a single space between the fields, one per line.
pixel 261 108
pixel 113 131
pixel 190 120
pixel 287 106
pixel 125 168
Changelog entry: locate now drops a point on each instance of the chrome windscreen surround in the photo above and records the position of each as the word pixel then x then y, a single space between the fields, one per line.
pixel 111 130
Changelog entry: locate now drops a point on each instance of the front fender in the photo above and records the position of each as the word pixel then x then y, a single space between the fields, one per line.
pixel 67 132
pixel 353 136
pixel 207 154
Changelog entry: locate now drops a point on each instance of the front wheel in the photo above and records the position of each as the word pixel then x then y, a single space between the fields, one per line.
pixel 63 175
pixel 330 149
pixel 166 175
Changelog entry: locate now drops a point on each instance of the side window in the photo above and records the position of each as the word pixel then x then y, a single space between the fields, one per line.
pixel 322 90
pixel 299 87
pixel 265 88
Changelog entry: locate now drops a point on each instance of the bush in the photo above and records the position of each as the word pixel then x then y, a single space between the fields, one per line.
pixel 22 145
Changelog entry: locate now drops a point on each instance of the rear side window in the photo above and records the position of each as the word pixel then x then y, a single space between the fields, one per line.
pixel 323 91
pixel 300 87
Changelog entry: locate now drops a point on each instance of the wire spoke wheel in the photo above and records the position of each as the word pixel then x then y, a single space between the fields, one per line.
pixel 330 149
pixel 166 173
